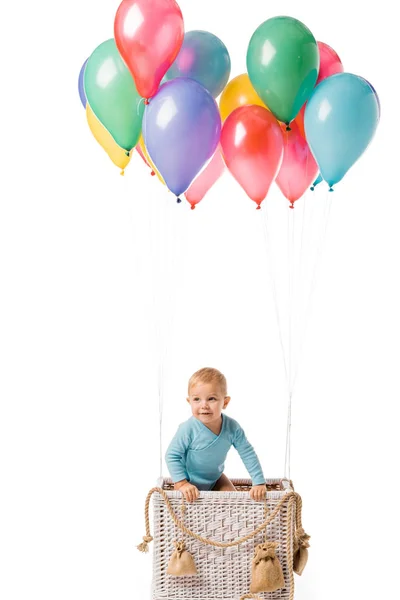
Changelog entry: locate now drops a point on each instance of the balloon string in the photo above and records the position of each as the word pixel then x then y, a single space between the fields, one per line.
pixel 271 263
pixel 326 215
pixel 291 259
pixel 175 230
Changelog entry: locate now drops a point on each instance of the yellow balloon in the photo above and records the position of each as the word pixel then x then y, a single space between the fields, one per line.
pixel 147 157
pixel 117 154
pixel 238 92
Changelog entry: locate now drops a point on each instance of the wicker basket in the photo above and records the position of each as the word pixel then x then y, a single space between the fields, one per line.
pixel 223 573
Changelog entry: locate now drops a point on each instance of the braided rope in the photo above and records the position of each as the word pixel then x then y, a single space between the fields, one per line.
pixel 289 548
pixel 299 506
pixel 291 496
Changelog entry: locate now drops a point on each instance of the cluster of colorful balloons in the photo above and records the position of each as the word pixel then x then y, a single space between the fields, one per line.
pixel 295 117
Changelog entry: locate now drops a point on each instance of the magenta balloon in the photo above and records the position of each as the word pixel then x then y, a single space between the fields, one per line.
pixel 181 130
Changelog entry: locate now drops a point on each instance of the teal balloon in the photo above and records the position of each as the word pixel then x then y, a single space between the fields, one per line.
pixel 283 65
pixel 316 182
pixel 112 95
pixel 204 58
pixel 340 121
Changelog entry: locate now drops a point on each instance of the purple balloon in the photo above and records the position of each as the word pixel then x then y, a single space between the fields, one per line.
pixel 181 130
pixel 376 96
pixel 81 86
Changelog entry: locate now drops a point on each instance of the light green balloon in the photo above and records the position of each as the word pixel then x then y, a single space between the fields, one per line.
pixel 283 65
pixel 112 95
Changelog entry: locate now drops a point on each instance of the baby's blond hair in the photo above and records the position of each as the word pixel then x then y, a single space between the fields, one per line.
pixel 208 375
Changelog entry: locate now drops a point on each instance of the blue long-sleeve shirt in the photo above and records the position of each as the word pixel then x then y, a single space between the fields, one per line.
pixel 198 455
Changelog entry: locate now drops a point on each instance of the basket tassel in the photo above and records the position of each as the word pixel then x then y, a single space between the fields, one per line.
pixel 266 573
pixel 300 552
pixel 144 546
pixel 181 563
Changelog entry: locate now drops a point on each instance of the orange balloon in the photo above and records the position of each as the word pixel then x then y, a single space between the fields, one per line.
pixel 238 92
pixel 252 146
pixel 299 120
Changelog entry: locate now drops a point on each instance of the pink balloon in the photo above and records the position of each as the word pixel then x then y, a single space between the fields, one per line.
pixel 139 151
pixel 252 146
pixel 149 35
pixel 204 182
pixel 329 64
pixel 298 169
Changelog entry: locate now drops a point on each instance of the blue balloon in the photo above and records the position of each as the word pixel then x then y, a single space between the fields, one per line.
pixel 316 182
pixel 181 130
pixel 81 87
pixel 204 58
pixel 340 121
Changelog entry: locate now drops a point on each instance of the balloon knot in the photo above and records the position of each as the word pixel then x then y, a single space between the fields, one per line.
pixel 258 207
pixel 292 205
pixel 122 172
pixel 193 207
pixel 288 127
pixel 331 189
pixel 178 200
pixel 146 101
pixel 312 188
pixel 152 173
pixel 127 153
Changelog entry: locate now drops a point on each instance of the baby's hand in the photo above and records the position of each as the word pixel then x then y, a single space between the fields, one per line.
pixel 258 492
pixel 189 491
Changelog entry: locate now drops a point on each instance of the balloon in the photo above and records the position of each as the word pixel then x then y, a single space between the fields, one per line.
pixel 299 168
pixel 316 182
pixel 238 92
pixel 204 58
pixel 329 64
pixel 112 95
pixel 341 119
pixel 181 130
pixel 204 182
pixel 118 155
pixel 81 88
pixel 145 155
pixel 252 146
pixel 142 156
pixel 149 35
pixel 376 96
pixel 283 62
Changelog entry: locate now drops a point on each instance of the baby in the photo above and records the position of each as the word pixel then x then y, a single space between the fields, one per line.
pixel 197 453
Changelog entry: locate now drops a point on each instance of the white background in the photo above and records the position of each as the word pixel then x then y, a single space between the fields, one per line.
pixel 78 385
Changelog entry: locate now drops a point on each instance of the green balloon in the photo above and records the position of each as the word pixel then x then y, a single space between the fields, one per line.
pixel 112 95
pixel 283 65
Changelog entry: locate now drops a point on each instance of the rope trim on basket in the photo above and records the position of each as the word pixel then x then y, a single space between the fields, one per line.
pixel 289 548
pixel 291 496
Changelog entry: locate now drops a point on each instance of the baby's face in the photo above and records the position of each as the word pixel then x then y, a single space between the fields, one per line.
pixel 207 402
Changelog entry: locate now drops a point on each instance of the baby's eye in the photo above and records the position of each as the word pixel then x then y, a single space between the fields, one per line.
pixel 196 399
pixel 212 398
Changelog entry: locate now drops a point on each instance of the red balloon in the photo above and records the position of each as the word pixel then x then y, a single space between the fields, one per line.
pixel 149 35
pixel 298 169
pixel 252 146
pixel 204 182
pixel 329 64
pixel 139 151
